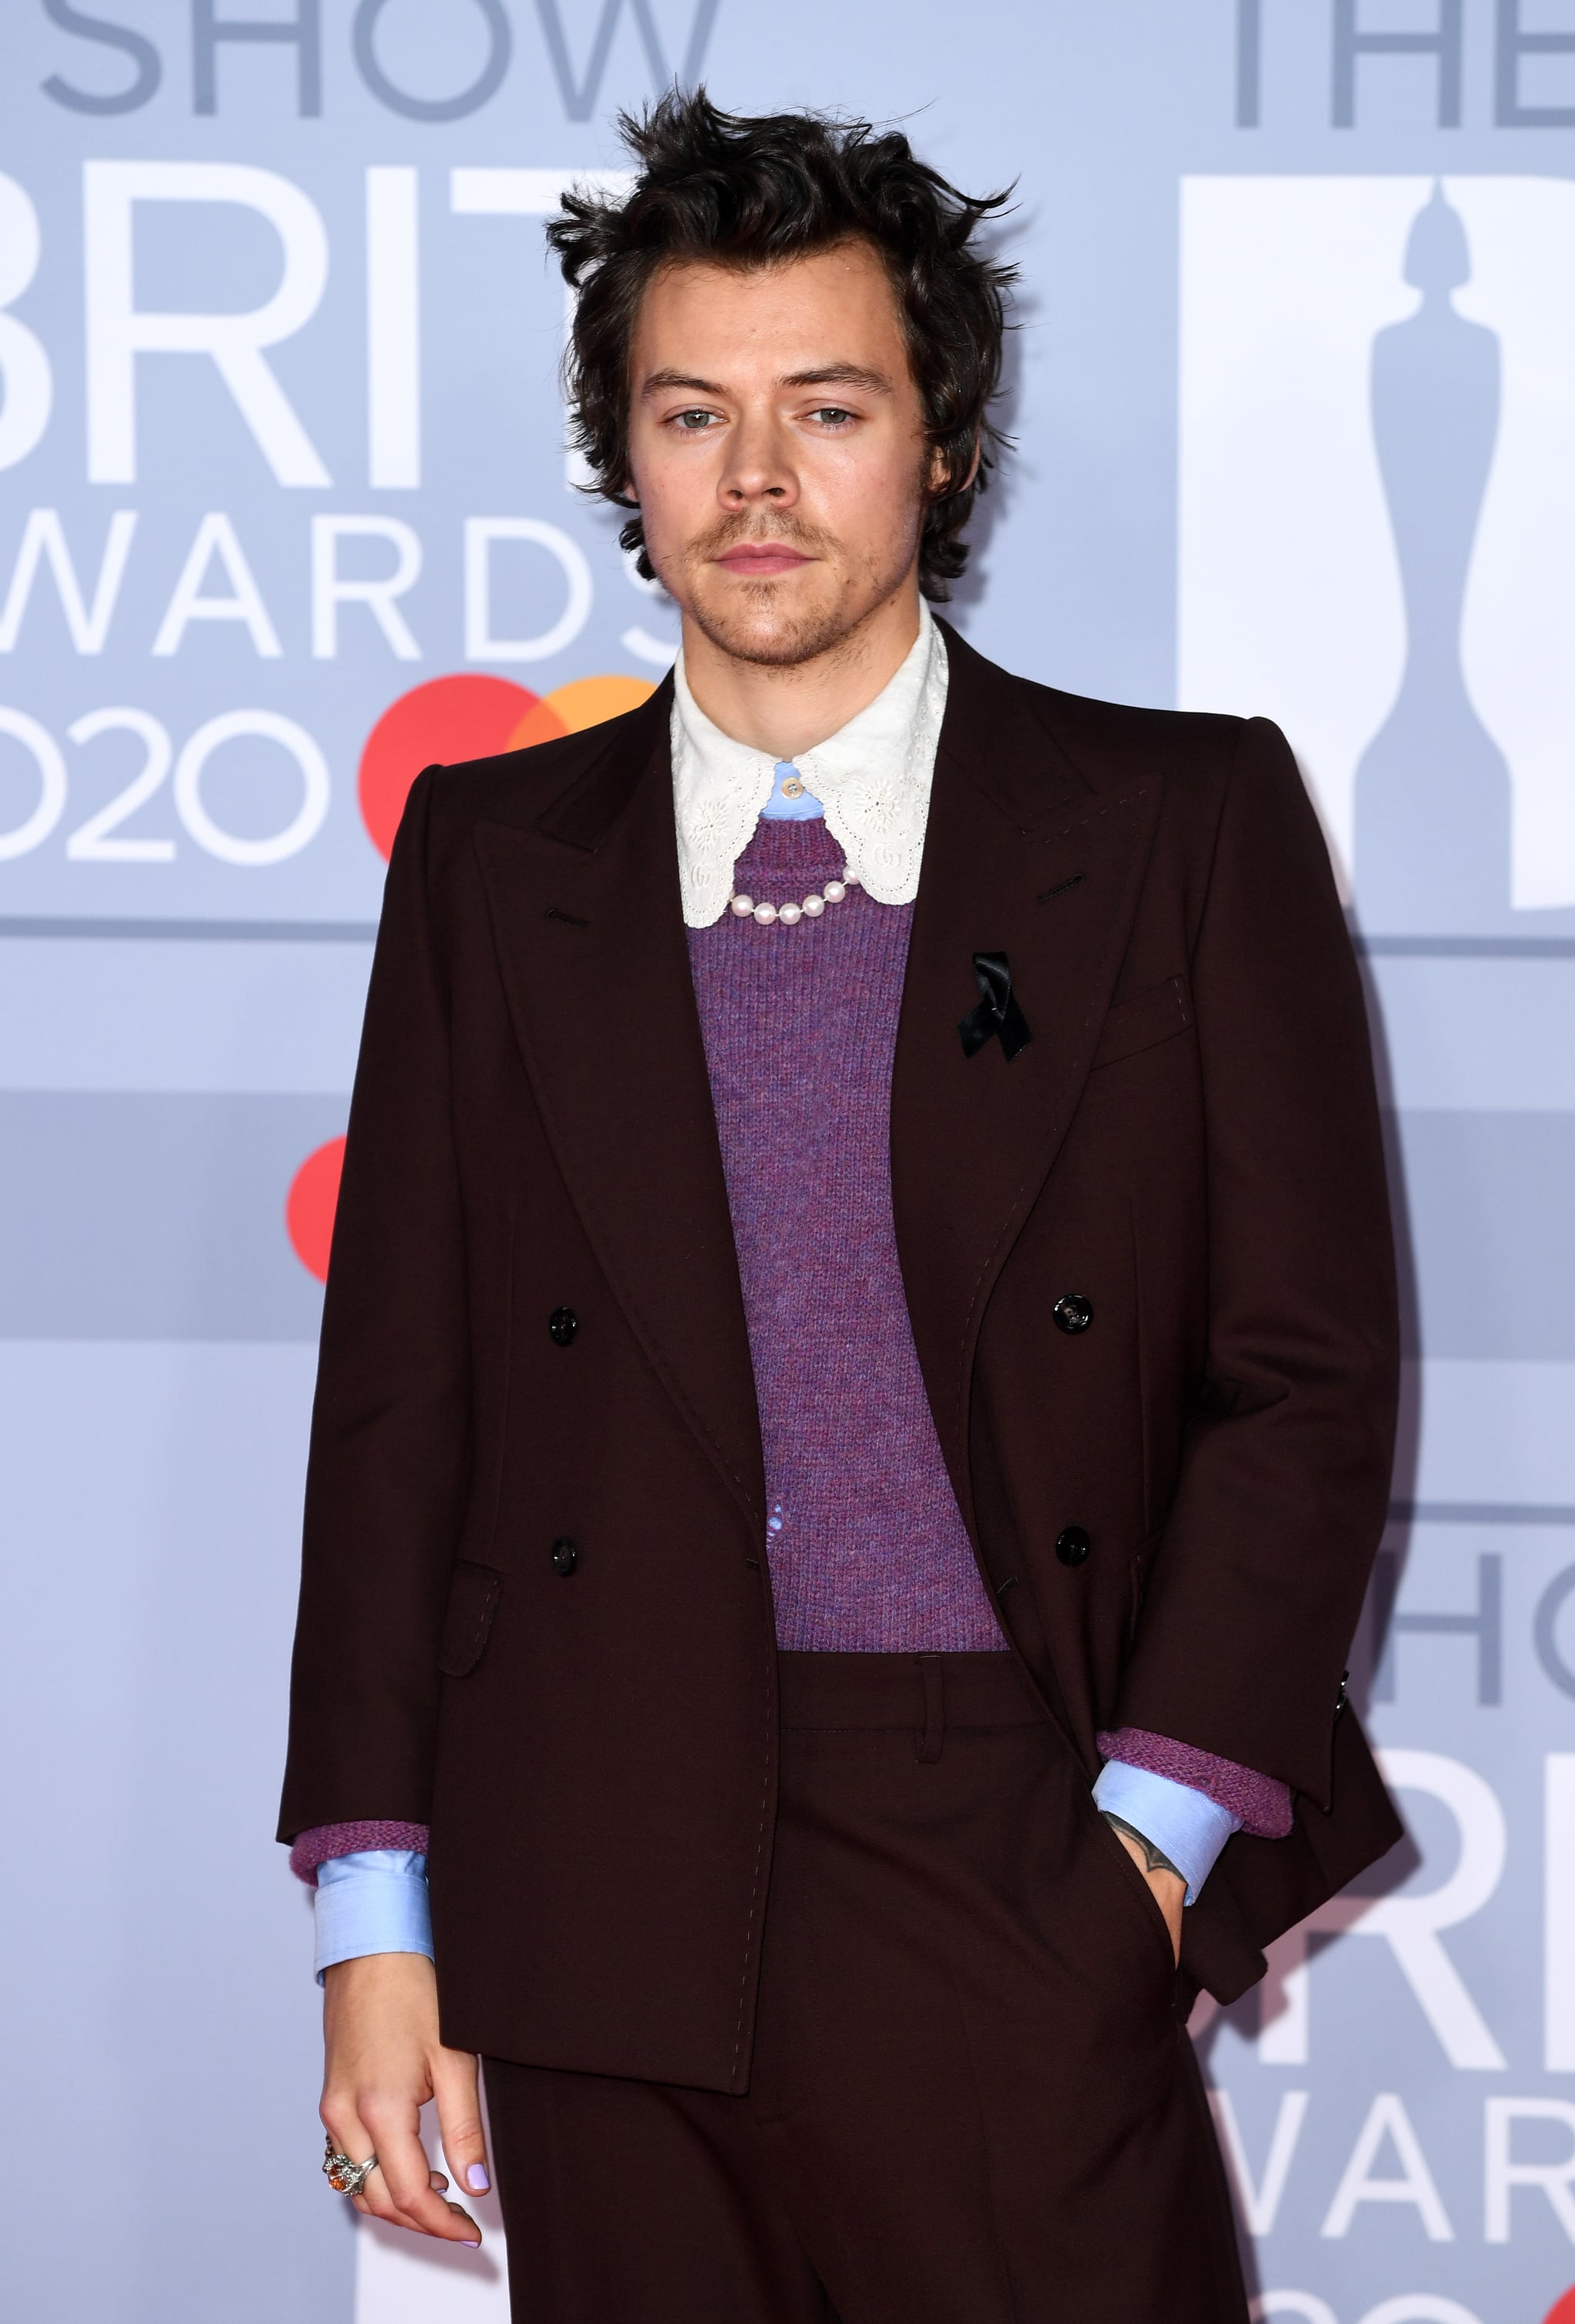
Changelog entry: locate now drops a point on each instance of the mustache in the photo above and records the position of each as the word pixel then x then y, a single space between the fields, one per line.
pixel 737 532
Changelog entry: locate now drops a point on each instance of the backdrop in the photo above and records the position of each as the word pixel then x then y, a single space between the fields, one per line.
pixel 280 449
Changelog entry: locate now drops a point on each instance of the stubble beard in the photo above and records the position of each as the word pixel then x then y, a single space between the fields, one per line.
pixel 756 625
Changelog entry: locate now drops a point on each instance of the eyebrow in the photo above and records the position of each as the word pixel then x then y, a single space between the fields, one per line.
pixel 840 376
pixel 875 383
pixel 660 382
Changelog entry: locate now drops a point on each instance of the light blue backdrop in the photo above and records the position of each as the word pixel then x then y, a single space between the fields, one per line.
pixel 1281 449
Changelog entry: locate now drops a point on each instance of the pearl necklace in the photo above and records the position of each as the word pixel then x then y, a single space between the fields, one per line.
pixel 788 915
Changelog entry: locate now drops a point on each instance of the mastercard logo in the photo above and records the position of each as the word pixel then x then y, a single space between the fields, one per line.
pixel 445 721
pixel 470 716
pixel 311 1205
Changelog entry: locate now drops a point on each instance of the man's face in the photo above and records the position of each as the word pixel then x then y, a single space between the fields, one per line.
pixel 776 449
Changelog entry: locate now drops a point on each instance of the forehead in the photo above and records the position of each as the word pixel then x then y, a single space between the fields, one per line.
pixel 835 306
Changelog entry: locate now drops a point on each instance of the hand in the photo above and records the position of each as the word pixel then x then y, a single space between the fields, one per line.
pixel 1169 1889
pixel 382 2061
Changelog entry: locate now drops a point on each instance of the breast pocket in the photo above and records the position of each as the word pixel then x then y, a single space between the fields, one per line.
pixel 473 1599
pixel 1145 1020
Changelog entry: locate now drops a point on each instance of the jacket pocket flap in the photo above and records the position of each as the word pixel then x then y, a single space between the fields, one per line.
pixel 472 1598
pixel 1146 1019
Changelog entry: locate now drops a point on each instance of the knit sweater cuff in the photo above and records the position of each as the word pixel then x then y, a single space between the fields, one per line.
pixel 323 1841
pixel 1261 1805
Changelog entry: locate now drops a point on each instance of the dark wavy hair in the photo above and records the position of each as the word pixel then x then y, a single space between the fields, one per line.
pixel 718 187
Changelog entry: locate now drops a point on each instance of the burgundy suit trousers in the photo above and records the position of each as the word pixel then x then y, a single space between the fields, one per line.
pixel 972 2101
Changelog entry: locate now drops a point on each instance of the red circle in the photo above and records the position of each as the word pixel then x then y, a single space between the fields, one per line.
pixel 311 1205
pixel 1562 2311
pixel 469 716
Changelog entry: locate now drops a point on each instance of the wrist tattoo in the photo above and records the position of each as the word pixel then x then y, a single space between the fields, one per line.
pixel 1153 1857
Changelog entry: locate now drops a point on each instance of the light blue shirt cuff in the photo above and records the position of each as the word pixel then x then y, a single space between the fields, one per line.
pixel 372 1902
pixel 1184 1824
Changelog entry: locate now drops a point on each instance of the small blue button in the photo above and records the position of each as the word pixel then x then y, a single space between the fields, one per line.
pixel 790 802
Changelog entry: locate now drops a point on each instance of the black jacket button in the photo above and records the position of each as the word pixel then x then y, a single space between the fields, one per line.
pixel 565 1555
pixel 1072 1545
pixel 1073 1314
pixel 562 1324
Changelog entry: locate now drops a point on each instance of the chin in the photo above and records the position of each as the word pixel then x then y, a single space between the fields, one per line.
pixel 774 635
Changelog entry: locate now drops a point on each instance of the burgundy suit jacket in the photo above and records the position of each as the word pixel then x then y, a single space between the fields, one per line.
pixel 1190 1141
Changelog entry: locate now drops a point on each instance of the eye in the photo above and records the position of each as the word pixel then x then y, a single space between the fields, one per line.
pixel 694 423
pixel 832 415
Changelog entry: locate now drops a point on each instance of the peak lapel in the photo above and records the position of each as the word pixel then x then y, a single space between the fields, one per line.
pixel 590 935
pixel 1022 857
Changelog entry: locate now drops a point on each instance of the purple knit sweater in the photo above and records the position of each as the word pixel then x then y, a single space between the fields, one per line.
pixel 867 1550
pixel 867 1546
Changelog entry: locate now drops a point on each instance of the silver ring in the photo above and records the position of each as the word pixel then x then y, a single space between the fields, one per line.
pixel 345 2177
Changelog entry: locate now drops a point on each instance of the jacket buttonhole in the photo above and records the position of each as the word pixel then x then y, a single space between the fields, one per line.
pixel 753 1564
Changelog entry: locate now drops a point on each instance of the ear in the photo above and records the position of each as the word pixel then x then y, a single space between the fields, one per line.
pixel 935 479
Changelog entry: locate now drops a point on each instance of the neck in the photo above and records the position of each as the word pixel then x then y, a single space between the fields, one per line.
pixel 784 708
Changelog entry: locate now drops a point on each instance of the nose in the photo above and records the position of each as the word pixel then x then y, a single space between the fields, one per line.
pixel 759 472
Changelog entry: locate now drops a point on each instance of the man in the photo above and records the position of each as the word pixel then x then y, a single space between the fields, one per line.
pixel 858 1375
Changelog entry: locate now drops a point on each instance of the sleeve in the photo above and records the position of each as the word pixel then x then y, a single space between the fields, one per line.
pixel 1256 1803
pixel 387 1466
pixel 374 1902
pixel 1187 1803
pixel 322 1844
pixel 1257 1583
pixel 1187 1826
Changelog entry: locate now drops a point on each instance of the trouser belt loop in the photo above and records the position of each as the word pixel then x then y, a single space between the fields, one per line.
pixel 932 1672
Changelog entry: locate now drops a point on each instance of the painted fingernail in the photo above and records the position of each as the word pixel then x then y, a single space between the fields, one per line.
pixel 476 2179
pixel 472 2242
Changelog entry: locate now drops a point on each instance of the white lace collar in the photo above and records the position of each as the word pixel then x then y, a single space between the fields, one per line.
pixel 872 776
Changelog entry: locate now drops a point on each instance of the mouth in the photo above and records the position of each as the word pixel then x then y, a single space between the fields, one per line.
pixel 753 561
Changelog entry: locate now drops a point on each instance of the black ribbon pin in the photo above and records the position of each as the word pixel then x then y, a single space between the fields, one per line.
pixel 997 1016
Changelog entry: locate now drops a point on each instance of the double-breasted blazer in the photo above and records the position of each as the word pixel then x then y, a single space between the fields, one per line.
pixel 1188 1142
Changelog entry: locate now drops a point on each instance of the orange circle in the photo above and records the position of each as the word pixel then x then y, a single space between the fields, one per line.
pixel 582 702
pixel 588 701
pixel 467 716
pixel 1562 2311
pixel 540 724
pixel 310 1206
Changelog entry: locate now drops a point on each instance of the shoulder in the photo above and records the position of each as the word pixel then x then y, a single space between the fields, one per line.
pixel 556 784
pixel 520 786
pixel 1109 742
pixel 1112 742
pixel 1208 760
pixel 1048 744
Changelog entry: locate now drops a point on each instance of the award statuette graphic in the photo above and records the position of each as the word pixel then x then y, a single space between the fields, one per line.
pixel 1432 791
